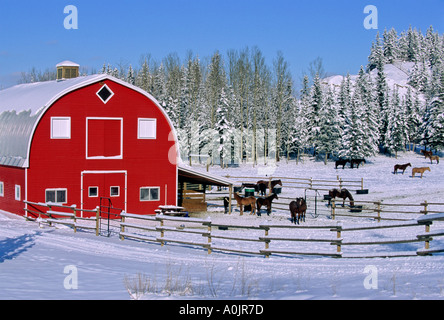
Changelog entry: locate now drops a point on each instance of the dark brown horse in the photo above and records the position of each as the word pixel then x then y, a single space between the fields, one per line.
pixel 357 162
pixel 343 193
pixel 427 153
pixel 263 185
pixel 297 210
pixel 265 202
pixel 341 162
pixel 250 185
pixel 401 167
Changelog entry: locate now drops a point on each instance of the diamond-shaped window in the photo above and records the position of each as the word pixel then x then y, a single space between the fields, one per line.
pixel 105 94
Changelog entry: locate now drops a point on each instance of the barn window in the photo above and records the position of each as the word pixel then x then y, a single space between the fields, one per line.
pixel 114 191
pixel 149 194
pixel 147 129
pixel 104 138
pixel 17 192
pixel 105 94
pixel 60 128
pixel 2 189
pixel 56 195
pixel 93 192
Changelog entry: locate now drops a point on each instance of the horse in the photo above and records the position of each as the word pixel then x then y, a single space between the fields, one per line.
pixel 298 207
pixel 265 202
pixel 226 204
pixel 357 162
pixel 263 185
pixel 250 185
pixel 427 153
pixel 431 157
pixel 341 162
pixel 343 193
pixel 419 170
pixel 401 167
pixel 242 201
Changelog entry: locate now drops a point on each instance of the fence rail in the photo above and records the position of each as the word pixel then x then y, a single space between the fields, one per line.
pixel 208 230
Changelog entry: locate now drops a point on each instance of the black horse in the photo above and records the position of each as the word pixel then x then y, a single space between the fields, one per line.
pixel 341 162
pixel 357 162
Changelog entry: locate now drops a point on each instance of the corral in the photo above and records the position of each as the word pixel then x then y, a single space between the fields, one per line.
pixel 376 228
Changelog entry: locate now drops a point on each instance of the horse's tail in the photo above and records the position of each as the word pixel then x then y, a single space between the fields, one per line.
pixel 350 197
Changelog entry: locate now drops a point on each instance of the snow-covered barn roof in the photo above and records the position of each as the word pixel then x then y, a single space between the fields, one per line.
pixel 22 106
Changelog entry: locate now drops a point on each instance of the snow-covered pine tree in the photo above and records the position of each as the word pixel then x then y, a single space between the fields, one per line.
pixel 315 106
pixel 396 133
pixel 329 137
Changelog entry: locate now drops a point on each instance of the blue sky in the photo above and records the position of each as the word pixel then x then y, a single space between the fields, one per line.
pixel 32 33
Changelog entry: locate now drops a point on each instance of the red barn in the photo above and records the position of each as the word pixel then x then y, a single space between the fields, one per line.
pixel 77 139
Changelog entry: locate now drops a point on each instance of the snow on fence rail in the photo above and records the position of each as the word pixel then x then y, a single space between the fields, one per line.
pixel 306 183
pixel 35 212
pixel 226 240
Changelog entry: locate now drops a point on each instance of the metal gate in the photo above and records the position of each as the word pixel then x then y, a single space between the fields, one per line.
pixel 108 215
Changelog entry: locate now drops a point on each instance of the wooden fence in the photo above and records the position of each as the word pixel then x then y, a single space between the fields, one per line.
pixel 66 215
pixel 307 183
pixel 209 231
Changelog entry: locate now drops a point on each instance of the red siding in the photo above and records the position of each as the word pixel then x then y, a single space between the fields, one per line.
pixel 59 163
pixel 11 177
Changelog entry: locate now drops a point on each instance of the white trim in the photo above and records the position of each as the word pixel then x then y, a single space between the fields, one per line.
pixel 118 191
pixel 69 128
pixel 149 194
pixel 121 139
pixel 103 172
pixel 109 98
pixel 89 192
pixel 55 190
pixel 19 189
pixel 155 128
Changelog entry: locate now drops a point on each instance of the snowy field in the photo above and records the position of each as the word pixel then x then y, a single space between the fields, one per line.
pixel 55 263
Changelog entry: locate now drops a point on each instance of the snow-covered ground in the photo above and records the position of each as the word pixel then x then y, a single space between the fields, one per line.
pixel 55 263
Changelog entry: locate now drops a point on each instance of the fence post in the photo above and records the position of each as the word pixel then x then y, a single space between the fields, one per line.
pixel 425 207
pixel 362 183
pixel 333 205
pixel 122 227
pixel 97 220
pixel 75 215
pixel 338 236
pixel 209 236
pixel 378 210
pixel 162 233
pixel 427 239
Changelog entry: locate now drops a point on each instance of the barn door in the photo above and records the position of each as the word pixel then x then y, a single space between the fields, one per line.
pixel 106 184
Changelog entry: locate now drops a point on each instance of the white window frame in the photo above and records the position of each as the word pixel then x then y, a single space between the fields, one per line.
pixel 18 192
pixel 56 190
pixel 121 139
pixel 89 192
pixel 118 191
pixel 139 133
pixel 109 98
pixel 2 189
pixel 149 194
pixel 54 137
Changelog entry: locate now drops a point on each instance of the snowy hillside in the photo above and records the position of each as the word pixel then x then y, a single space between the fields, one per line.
pixel 38 263
pixel 396 73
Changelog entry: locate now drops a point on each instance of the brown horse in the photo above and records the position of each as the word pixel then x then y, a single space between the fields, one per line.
pixel 419 170
pixel 297 210
pixel 431 157
pixel 401 167
pixel 427 153
pixel 357 162
pixel 265 202
pixel 242 201
pixel 343 193
pixel 263 185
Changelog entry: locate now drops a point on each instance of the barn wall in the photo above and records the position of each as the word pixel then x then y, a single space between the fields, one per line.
pixel 11 176
pixel 59 163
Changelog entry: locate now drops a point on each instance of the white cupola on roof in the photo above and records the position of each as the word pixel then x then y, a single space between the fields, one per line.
pixel 67 70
